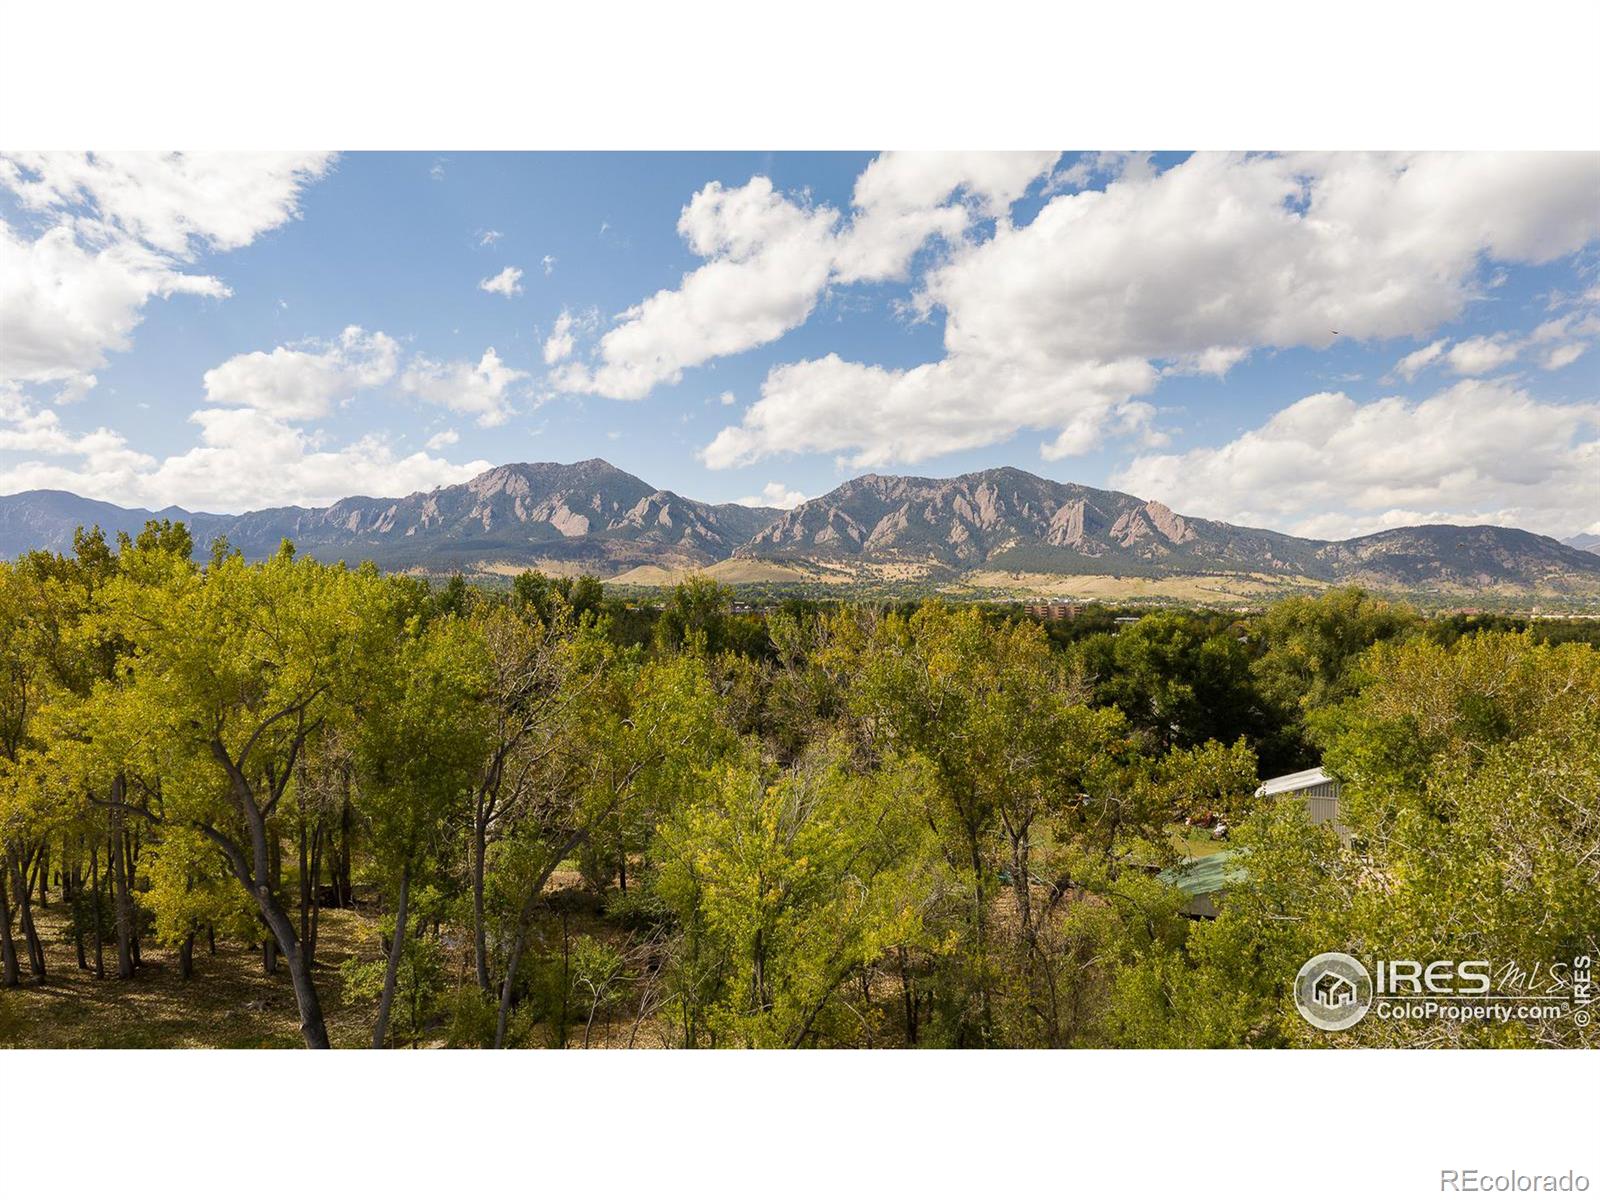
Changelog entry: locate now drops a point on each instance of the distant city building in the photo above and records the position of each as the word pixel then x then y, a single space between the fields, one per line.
pixel 1053 610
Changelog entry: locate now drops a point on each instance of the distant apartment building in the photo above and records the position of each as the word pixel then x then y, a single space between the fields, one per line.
pixel 1053 610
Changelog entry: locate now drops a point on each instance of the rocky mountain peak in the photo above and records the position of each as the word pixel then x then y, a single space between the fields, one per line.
pixel 592 516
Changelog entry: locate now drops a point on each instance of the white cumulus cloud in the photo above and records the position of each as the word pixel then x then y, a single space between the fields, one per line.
pixel 244 459
pixel 769 258
pixel 1413 364
pixel 303 384
pixel 1060 323
pixel 901 200
pixel 774 495
pixel 1478 452
pixel 873 416
pixel 558 346
pixel 65 306
pixel 1563 356
pixel 1557 343
pixel 117 231
pixel 481 390
pixel 175 203
pixel 1481 355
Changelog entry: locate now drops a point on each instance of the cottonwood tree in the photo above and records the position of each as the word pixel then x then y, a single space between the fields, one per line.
pixel 1178 677
pixel 1470 777
pixel 637 734
pixel 532 678
pixel 423 736
pixel 191 892
pixel 975 700
pixel 33 605
pixel 1468 780
pixel 1310 644
pixel 793 883
pixel 231 670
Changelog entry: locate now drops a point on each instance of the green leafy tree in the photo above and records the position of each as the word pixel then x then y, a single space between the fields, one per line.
pixel 1005 725
pixel 637 732
pixel 698 612
pixel 1177 677
pixel 534 671
pixel 230 671
pixel 1310 644
pixel 1469 776
pixel 190 891
pixel 423 736
pixel 794 884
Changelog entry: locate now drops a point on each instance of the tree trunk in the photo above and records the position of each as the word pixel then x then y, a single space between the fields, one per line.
pixel 99 920
pixel 594 1003
pixel 308 929
pixel 307 885
pixel 514 958
pixel 312 1026
pixel 130 848
pixel 42 869
pixel 269 954
pixel 343 892
pixel 908 992
pixel 980 924
pixel 391 973
pixel 23 884
pixel 480 935
pixel 119 883
pixel 72 872
pixel 186 957
pixel 72 893
pixel 513 961
pixel 566 977
pixel 1019 884
pixel 9 976
pixel 255 873
pixel 758 981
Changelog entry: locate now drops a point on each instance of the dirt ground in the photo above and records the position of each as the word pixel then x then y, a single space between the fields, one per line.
pixel 229 1002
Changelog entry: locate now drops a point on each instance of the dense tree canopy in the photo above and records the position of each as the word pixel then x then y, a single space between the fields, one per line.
pixel 553 816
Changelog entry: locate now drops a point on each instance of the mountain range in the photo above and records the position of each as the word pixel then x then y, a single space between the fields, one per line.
pixel 987 528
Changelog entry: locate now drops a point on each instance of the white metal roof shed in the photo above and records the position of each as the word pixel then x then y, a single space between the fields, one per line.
pixel 1298 782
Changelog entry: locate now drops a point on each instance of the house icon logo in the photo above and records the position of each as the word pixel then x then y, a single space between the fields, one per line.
pixel 1333 991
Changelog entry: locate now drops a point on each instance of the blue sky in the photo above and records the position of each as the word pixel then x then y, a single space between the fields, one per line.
pixel 231 332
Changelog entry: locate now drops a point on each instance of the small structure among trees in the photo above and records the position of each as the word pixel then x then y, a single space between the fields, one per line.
pixel 1320 791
